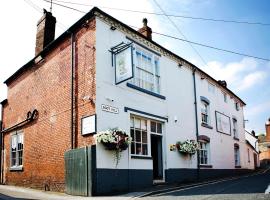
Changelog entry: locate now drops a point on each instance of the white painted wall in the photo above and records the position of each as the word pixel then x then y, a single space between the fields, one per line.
pixel 177 87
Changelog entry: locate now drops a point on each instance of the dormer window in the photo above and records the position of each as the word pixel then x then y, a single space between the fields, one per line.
pixel 237 106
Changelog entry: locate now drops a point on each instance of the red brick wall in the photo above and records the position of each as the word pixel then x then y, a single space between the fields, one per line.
pixel 47 88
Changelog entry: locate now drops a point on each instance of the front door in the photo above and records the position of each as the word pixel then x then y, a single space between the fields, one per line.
pixel 156 150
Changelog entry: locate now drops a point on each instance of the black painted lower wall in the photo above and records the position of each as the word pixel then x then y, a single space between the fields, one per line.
pixel 113 181
pixel 191 175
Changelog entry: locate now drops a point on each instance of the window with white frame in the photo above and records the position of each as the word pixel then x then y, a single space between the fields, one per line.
pixel 236 156
pixel 225 97
pixel 204 152
pixel 237 107
pixel 156 127
pixel 205 112
pixel 147 71
pixel 16 158
pixel 211 88
pixel 138 132
pixel 235 128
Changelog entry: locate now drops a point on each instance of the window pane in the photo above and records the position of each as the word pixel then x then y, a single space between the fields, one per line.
pixel 153 127
pixel 131 122
pixel 144 149
pixel 138 136
pixel 144 137
pixel 143 124
pixel 159 128
pixel 138 149
pixel 132 134
pixel 137 123
pixel 132 148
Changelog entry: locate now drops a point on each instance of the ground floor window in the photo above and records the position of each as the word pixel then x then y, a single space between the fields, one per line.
pixel 140 130
pixel 16 149
pixel 236 156
pixel 204 152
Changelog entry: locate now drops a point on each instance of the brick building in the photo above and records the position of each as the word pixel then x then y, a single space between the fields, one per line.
pixel 103 70
pixel 264 146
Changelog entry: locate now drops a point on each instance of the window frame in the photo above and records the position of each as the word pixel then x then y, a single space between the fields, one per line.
pixel 235 128
pixel 154 70
pixel 17 165
pixel 149 132
pixel 237 162
pixel 207 150
pixel 205 111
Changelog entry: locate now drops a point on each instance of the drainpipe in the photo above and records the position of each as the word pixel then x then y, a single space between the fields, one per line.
pixel 196 119
pixel 72 91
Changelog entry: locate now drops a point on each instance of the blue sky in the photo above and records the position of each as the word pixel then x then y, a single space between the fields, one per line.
pixel 247 77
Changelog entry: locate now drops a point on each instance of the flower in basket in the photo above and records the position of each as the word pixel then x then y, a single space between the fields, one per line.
pixel 187 147
pixel 114 139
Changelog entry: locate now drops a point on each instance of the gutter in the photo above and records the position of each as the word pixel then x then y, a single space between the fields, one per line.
pixel 196 119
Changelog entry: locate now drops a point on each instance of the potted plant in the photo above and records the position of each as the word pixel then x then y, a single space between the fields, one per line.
pixel 115 140
pixel 187 147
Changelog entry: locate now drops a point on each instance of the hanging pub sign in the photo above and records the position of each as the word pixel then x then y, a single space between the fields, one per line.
pixel 223 123
pixel 123 62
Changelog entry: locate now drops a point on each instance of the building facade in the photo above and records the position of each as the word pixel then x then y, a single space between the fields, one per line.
pixel 264 146
pixel 165 100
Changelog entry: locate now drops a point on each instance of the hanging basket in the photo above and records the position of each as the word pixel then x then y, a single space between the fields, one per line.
pixel 110 146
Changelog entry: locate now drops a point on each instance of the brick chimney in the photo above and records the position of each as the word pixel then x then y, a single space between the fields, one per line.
pixel 45 31
pixel 145 30
pixel 267 128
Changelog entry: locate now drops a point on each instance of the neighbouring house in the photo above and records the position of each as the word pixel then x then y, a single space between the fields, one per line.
pixel 264 146
pixel 252 161
pixel 101 74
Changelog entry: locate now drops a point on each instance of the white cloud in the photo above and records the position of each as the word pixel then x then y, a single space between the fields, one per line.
pixel 240 76
pixel 252 111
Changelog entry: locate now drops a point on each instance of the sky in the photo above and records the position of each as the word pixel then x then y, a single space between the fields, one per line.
pixel 248 77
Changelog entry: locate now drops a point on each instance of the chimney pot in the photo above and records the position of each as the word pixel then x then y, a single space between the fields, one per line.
pixel 45 31
pixel 146 30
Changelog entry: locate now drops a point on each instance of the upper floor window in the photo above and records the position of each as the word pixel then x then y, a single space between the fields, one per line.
pixel 204 152
pixel 16 158
pixel 225 98
pixel 237 107
pixel 211 88
pixel 235 128
pixel 205 110
pixel 147 71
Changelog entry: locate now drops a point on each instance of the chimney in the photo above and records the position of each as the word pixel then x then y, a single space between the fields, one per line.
pixel 267 128
pixel 253 133
pixel 223 83
pixel 145 30
pixel 45 31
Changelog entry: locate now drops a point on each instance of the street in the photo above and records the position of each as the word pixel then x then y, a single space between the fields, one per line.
pixel 244 188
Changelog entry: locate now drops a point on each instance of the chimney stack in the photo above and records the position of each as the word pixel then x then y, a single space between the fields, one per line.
pixel 45 31
pixel 267 128
pixel 146 30
pixel 223 83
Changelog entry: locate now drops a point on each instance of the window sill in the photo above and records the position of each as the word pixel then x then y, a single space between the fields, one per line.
pixel 236 138
pixel 206 125
pixel 206 166
pixel 145 91
pixel 141 157
pixel 16 168
pixel 238 166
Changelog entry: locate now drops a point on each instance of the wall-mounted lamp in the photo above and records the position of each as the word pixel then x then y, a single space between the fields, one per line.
pixel 109 99
pixel 175 119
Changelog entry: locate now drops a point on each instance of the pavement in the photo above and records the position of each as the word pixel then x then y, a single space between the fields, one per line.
pixel 253 186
